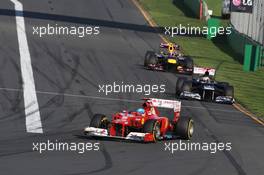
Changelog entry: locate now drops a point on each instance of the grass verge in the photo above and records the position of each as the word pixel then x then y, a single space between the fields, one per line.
pixel 215 5
pixel 249 86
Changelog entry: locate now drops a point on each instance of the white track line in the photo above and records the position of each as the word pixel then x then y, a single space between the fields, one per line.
pixel 109 99
pixel 33 121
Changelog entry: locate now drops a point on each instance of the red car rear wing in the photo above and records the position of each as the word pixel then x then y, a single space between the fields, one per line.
pixel 169 104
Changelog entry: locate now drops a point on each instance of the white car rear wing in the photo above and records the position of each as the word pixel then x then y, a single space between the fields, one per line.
pixel 162 103
pixel 202 70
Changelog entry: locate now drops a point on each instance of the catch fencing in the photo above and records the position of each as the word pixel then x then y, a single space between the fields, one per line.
pixel 251 25
pixel 248 29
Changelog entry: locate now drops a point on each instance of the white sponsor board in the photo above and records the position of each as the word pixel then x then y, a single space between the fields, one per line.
pixel 202 70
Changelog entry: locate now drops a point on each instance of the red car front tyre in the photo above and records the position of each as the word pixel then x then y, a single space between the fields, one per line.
pixel 153 127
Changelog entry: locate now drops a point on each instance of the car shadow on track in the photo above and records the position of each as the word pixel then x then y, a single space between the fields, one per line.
pixel 82 20
pixel 94 138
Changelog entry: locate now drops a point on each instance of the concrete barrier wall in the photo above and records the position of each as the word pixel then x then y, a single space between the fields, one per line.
pixel 237 42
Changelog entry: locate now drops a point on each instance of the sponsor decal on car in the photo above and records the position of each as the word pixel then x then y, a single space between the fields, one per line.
pixel 96 131
pixel 172 61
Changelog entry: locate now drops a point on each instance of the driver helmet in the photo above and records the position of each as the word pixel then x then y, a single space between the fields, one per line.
pixel 206 73
pixel 141 110
pixel 205 79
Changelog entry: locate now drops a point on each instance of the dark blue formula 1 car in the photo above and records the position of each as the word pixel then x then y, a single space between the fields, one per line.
pixel 169 59
pixel 205 88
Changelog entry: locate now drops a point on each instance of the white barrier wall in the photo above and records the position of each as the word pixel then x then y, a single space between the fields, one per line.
pixel 251 25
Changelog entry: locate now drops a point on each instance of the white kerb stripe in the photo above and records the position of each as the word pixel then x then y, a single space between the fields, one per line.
pixel 33 121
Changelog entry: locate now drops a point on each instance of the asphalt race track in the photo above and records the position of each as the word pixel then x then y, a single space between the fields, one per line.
pixel 67 71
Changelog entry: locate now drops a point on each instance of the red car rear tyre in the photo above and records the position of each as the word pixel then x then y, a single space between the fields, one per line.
pixel 185 128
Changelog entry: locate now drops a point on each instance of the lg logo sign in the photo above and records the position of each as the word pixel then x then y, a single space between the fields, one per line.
pixel 245 6
pixel 237 2
pixel 247 2
pixel 244 2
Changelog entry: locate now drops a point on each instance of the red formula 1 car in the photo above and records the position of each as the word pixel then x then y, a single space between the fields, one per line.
pixel 145 124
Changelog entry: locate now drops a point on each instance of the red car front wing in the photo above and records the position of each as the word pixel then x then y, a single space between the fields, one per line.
pixel 134 136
